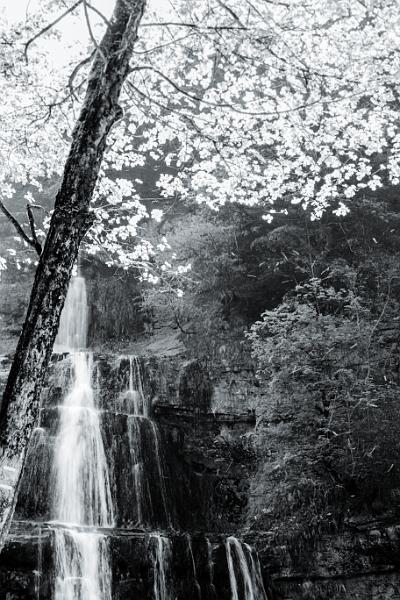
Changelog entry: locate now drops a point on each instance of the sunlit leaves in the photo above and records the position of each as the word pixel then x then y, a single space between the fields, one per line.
pixel 251 102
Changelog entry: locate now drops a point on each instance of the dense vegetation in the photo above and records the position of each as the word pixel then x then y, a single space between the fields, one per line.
pixel 316 304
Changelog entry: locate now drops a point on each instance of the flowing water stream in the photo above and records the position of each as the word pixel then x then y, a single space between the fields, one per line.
pixel 82 507
pixel 161 558
pixel 81 500
pixel 147 458
pixel 244 571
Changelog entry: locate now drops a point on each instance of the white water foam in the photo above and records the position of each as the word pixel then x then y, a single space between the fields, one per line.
pixel 82 496
pixel 244 571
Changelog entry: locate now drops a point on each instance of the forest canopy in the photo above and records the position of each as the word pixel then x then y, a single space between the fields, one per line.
pixel 268 104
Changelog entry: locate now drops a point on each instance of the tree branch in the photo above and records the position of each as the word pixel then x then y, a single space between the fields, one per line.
pixel 37 244
pixel 196 26
pixel 245 112
pixel 50 26
pixel 90 30
pixel 98 12
pixel 76 70
pixel 231 12
pixel 177 322
pixel 17 226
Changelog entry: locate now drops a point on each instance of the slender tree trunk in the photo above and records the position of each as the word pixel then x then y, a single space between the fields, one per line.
pixel 70 221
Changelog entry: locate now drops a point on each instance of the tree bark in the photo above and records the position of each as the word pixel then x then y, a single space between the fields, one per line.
pixel 70 221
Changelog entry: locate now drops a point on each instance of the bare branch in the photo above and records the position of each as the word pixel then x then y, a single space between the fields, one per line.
pixel 37 244
pixel 91 34
pixel 75 72
pixel 50 26
pixel 231 12
pixel 246 112
pixel 178 324
pixel 196 26
pixel 17 226
pixel 98 12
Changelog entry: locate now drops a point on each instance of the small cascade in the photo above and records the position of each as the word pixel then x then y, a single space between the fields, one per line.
pixel 244 571
pixel 162 553
pixel 38 572
pixel 81 488
pixel 146 455
pixel 82 566
pixel 255 571
pixel 135 391
pixel 210 565
pixel 191 555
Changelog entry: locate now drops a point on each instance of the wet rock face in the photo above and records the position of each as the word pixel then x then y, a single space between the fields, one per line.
pixel 194 566
pixel 205 467
pixel 194 386
pixel 358 565
pixel 197 469
pixel 193 478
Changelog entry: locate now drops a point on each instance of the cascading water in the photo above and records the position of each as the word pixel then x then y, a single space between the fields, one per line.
pixel 72 331
pixel 146 455
pixel 210 565
pixel 161 557
pixel 82 566
pixel 82 489
pixel 81 503
pixel 81 497
pixel 256 576
pixel 195 579
pixel 244 571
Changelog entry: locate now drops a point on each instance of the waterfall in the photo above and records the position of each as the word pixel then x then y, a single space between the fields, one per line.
pixel 244 571
pixel 161 556
pixel 72 331
pixel 256 576
pixel 81 500
pixel 140 404
pixel 38 572
pixel 81 488
pixel 146 455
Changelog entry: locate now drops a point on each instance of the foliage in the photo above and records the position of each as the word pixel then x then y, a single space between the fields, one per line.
pixel 330 355
pixel 298 102
pixel 225 278
pixel 265 104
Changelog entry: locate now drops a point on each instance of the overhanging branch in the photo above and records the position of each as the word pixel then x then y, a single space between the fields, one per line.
pixel 50 26
pixel 23 235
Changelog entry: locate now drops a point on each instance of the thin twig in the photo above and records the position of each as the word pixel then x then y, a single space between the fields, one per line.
pixel 197 26
pixel 231 12
pixel 98 12
pixel 91 34
pixel 75 72
pixel 185 331
pixel 17 226
pixel 50 26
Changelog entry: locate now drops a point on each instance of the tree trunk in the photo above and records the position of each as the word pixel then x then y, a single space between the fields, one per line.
pixel 70 221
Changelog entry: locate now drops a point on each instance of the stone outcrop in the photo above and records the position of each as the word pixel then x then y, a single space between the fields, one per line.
pixel 210 474
pixel 205 478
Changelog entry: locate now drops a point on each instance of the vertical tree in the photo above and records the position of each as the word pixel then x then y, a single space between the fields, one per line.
pixel 70 221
